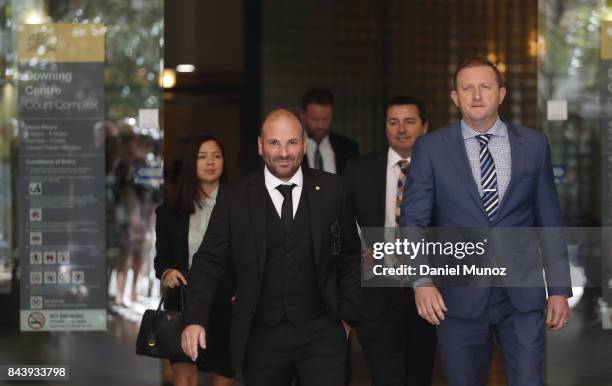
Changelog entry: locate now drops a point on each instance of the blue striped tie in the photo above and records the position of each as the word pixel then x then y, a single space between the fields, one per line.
pixel 490 198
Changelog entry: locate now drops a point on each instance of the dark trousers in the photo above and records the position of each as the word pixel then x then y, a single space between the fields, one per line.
pixel 399 345
pixel 314 351
pixel 466 344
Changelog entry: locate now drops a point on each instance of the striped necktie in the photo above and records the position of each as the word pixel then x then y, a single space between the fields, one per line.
pixel 401 182
pixel 488 176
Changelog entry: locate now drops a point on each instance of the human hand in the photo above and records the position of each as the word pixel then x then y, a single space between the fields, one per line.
pixel 429 303
pixel 173 278
pixel 192 336
pixel 367 258
pixel 557 312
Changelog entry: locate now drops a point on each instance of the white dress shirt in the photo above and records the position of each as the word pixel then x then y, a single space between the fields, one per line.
pixel 327 154
pixel 198 222
pixel 277 198
pixel 393 175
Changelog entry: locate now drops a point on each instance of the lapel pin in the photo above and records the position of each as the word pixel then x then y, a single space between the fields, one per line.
pixel 317 187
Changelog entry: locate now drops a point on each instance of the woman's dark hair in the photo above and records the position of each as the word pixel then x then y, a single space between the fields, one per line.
pixel 188 187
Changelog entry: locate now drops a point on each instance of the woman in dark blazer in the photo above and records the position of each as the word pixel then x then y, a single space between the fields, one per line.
pixel 180 228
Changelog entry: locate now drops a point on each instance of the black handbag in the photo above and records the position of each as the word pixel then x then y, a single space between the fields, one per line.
pixel 160 333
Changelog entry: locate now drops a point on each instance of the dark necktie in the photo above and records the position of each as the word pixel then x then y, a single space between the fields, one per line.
pixel 401 184
pixel 287 208
pixel 490 198
pixel 318 159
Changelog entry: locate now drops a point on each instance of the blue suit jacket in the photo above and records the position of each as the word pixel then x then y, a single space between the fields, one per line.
pixel 441 192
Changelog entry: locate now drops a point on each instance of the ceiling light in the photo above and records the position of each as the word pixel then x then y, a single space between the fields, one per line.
pixel 185 68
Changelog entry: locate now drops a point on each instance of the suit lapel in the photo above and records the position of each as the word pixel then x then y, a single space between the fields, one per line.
pixel 182 235
pixel 257 211
pixel 381 189
pixel 455 145
pixel 516 153
pixel 313 193
pixel 338 152
pixel 334 143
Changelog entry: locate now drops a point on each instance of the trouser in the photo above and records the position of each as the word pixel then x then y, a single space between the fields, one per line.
pixel 466 344
pixel 399 345
pixel 314 351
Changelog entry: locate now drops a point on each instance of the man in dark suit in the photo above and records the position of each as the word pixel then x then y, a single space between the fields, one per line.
pixel 482 172
pixel 326 150
pixel 295 251
pixel 398 344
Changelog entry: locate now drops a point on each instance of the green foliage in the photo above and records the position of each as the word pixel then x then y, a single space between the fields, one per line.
pixel 134 49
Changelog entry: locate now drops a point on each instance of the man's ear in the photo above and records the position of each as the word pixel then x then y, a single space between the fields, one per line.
pixel 454 97
pixel 502 94
pixel 426 127
pixel 259 146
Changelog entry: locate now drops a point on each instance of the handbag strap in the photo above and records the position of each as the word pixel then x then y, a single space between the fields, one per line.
pixel 161 301
pixel 181 295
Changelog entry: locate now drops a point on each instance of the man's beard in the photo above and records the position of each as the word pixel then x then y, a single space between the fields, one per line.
pixel 276 171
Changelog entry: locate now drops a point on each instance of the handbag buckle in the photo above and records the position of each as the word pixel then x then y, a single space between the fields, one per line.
pixel 151 341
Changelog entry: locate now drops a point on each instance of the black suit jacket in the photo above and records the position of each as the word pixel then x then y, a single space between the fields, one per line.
pixel 344 149
pixel 237 235
pixel 366 181
pixel 172 251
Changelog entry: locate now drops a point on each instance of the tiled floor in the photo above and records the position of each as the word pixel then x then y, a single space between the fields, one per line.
pixel 580 355
pixel 95 358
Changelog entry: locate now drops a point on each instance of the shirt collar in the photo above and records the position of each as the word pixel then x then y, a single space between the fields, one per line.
pixel 324 141
pixel 498 129
pixel 272 181
pixel 213 194
pixel 393 158
pixel 207 200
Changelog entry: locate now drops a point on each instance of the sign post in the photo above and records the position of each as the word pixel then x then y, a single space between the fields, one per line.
pixel 61 177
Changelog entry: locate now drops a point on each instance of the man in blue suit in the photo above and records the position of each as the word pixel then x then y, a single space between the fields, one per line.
pixel 484 172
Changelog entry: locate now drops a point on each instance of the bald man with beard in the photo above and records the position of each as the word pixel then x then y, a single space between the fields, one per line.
pixel 296 256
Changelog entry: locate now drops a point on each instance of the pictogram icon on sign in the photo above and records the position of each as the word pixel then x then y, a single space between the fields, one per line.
pixel 36 320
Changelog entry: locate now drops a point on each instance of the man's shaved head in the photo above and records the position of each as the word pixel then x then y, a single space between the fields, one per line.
pixel 281 114
pixel 281 143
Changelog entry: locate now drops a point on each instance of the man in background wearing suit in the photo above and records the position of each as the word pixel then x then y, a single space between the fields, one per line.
pixel 482 172
pixel 326 150
pixel 287 232
pixel 398 344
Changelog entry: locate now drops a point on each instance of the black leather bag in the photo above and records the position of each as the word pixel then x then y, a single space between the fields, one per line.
pixel 160 333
